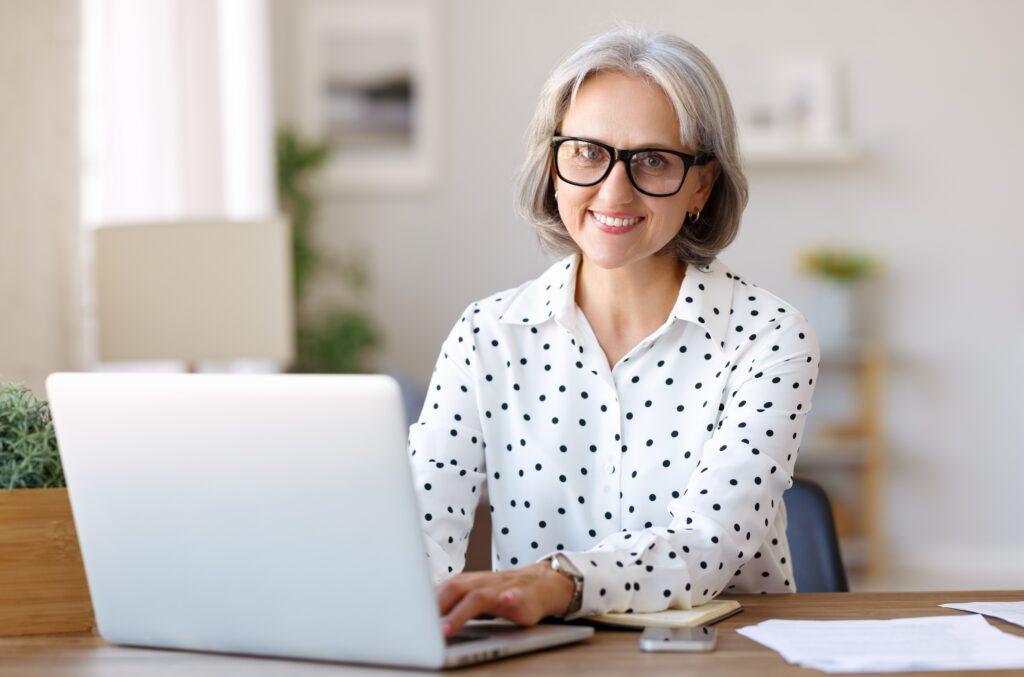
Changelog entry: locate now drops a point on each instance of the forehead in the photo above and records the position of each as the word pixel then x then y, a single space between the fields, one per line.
pixel 623 110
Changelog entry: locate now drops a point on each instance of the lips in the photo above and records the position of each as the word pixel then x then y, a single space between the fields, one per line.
pixel 615 230
pixel 617 219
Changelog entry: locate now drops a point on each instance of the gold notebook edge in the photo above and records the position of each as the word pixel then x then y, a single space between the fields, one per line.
pixel 723 609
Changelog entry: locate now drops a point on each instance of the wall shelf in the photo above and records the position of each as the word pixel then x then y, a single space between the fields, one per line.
pixel 762 149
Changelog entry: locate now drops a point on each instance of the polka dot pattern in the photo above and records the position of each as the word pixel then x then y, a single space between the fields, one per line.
pixel 660 478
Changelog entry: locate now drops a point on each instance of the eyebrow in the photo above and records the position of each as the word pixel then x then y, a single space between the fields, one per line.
pixel 645 144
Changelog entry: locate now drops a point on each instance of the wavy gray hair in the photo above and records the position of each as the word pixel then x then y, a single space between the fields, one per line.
pixel 706 122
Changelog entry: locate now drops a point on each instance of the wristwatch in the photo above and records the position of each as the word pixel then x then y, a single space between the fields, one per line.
pixel 562 565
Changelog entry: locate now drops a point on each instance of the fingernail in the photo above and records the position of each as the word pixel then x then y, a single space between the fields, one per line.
pixel 446 627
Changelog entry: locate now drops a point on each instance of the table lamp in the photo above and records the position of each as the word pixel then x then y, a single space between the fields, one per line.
pixel 195 290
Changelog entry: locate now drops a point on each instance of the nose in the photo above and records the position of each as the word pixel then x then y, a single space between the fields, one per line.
pixel 616 187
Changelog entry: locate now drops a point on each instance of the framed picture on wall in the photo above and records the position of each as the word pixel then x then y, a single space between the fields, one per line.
pixel 370 81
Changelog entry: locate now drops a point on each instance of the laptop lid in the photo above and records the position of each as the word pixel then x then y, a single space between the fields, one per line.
pixel 264 514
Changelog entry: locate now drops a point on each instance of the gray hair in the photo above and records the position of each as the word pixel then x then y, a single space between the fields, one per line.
pixel 706 122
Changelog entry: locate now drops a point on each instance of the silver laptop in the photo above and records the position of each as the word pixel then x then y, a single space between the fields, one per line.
pixel 259 514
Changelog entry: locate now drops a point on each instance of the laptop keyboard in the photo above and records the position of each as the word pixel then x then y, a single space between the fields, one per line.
pixel 472 632
pixel 466 636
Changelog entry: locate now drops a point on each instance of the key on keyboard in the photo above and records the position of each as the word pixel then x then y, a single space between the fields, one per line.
pixel 466 636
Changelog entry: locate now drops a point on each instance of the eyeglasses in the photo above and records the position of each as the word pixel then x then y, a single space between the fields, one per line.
pixel 657 172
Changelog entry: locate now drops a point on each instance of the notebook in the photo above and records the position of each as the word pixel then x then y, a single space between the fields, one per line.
pixel 705 614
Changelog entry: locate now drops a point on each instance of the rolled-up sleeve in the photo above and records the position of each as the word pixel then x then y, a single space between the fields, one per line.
pixel 722 518
pixel 446 451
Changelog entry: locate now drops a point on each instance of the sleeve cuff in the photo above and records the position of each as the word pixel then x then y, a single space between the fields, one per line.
pixel 594 602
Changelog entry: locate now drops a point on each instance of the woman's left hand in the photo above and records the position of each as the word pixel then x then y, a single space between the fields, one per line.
pixel 523 596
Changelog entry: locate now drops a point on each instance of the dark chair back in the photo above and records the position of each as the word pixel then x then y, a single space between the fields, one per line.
pixel 413 395
pixel 813 543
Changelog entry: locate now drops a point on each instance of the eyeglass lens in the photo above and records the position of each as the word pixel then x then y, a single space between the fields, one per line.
pixel 584 163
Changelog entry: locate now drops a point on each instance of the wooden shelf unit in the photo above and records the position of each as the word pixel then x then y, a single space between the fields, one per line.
pixel 847 457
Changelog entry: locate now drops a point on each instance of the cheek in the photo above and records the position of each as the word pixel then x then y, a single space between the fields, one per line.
pixel 667 216
pixel 573 209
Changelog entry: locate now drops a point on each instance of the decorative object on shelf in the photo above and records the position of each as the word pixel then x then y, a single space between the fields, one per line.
pixel 339 339
pixel 369 81
pixel 44 585
pixel 836 307
pixel 800 118
pixel 839 264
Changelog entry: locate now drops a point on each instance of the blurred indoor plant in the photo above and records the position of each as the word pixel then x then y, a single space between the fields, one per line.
pixel 339 339
pixel 837 309
pixel 838 265
pixel 43 587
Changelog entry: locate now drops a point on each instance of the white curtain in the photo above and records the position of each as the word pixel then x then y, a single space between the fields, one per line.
pixel 177 118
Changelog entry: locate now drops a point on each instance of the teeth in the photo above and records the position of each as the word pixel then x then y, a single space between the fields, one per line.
pixel 617 223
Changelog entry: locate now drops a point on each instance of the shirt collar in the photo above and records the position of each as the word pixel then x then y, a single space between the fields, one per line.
pixel 705 297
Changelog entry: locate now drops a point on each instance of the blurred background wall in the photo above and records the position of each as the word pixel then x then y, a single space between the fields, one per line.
pixel 40 322
pixel 933 95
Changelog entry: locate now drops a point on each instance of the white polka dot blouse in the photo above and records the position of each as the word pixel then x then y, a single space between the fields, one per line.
pixel 661 478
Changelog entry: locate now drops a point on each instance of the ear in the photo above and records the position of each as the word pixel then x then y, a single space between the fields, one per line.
pixel 708 176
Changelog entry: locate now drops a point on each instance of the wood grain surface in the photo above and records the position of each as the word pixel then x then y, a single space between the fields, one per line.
pixel 42 581
pixel 609 652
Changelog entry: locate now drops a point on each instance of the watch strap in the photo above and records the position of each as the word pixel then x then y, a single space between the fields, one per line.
pixel 562 565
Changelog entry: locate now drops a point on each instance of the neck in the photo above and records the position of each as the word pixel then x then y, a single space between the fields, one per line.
pixel 630 299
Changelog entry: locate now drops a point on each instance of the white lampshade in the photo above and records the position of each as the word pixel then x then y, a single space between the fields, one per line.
pixel 195 290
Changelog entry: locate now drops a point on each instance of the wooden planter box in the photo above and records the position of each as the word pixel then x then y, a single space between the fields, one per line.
pixel 42 581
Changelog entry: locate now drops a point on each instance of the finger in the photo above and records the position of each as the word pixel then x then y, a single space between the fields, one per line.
pixel 509 597
pixel 510 602
pixel 450 592
pixel 474 602
pixel 455 589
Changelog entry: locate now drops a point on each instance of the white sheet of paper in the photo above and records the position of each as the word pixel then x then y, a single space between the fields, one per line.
pixel 897 645
pixel 1012 612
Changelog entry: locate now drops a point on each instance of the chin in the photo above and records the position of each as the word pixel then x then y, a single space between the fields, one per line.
pixel 608 258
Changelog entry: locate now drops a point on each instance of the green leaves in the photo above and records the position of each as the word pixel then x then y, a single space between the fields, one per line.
pixel 297 161
pixel 334 340
pixel 838 264
pixel 335 343
pixel 28 445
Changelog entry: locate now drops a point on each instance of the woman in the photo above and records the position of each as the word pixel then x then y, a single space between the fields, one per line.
pixel 636 410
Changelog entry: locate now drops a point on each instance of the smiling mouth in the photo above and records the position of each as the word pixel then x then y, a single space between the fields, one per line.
pixel 615 224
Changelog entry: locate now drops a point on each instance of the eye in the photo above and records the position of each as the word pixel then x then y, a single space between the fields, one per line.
pixel 652 161
pixel 583 152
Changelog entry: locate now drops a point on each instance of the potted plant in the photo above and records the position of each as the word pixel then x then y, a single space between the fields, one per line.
pixel 837 309
pixel 43 588
pixel 337 338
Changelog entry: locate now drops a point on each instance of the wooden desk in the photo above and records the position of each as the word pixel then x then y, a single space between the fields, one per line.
pixel 607 653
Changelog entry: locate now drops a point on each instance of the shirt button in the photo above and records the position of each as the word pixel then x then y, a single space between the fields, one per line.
pixel 610 468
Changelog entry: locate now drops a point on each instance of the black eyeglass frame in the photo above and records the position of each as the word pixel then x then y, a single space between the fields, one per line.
pixel 626 155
